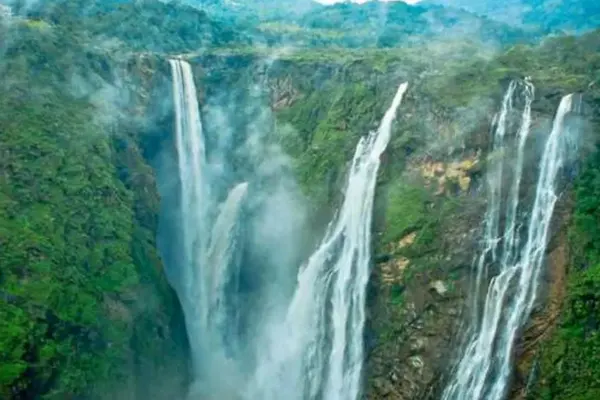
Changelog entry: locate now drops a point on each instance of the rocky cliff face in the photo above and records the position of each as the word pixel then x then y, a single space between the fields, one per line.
pixel 86 306
pixel 430 199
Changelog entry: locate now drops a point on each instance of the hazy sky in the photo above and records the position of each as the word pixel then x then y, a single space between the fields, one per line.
pixel 363 1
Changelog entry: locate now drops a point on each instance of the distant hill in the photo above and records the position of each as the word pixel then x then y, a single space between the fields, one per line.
pixel 397 24
pixel 253 11
pixel 547 15
pixel 149 25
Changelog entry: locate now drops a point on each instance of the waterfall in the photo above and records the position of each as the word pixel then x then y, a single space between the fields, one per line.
pixel 313 351
pixel 494 179
pixel 209 264
pixel 318 352
pixel 189 141
pixel 222 267
pixel 484 369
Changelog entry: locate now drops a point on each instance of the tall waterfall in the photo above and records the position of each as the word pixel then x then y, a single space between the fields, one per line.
pixel 189 140
pixel 494 180
pixel 485 367
pixel 315 350
pixel 318 352
pixel 209 264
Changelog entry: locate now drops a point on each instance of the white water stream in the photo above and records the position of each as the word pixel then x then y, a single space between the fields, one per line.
pixel 318 352
pixel 209 263
pixel 484 370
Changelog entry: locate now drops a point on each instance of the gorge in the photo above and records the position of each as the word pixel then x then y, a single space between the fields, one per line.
pixel 355 201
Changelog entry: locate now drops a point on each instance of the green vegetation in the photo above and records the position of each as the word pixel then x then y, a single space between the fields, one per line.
pixel 79 272
pixel 569 368
pixel 65 249
pixel 127 26
pixel 396 24
pixel 547 15
pixel 84 304
pixel 406 210
pixel 568 64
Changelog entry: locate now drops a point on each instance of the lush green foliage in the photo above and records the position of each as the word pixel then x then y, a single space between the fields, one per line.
pixel 549 15
pixel 252 12
pixel 406 210
pixel 570 368
pixel 78 259
pixel 567 64
pixel 134 26
pixel 376 24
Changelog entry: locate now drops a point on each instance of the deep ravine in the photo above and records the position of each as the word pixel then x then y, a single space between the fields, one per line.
pixel 316 350
pixel 199 200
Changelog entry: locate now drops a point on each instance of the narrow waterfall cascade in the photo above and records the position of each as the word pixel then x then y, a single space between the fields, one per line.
pixel 494 179
pixel 222 266
pixel 318 352
pixel 209 264
pixel 485 367
pixel 189 140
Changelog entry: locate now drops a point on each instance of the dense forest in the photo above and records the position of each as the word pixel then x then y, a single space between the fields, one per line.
pixel 87 308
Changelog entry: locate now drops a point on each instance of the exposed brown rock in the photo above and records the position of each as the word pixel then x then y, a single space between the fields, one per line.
pixel 447 174
pixel 403 243
pixel 417 312
pixel 283 93
pixel 393 270
pixel 407 240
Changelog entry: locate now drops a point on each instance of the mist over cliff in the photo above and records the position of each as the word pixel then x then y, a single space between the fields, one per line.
pixel 235 200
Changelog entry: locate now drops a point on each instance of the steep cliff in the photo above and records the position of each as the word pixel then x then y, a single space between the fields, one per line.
pixel 86 310
pixel 430 197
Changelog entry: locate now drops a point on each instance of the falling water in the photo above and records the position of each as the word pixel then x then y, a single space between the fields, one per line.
pixel 222 266
pixel 319 351
pixel 494 179
pixel 510 240
pixel 189 140
pixel 484 370
pixel 209 266
pixel 317 348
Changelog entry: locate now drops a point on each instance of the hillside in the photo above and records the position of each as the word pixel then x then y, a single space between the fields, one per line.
pixel 254 11
pixel 90 186
pixel 396 24
pixel 548 15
